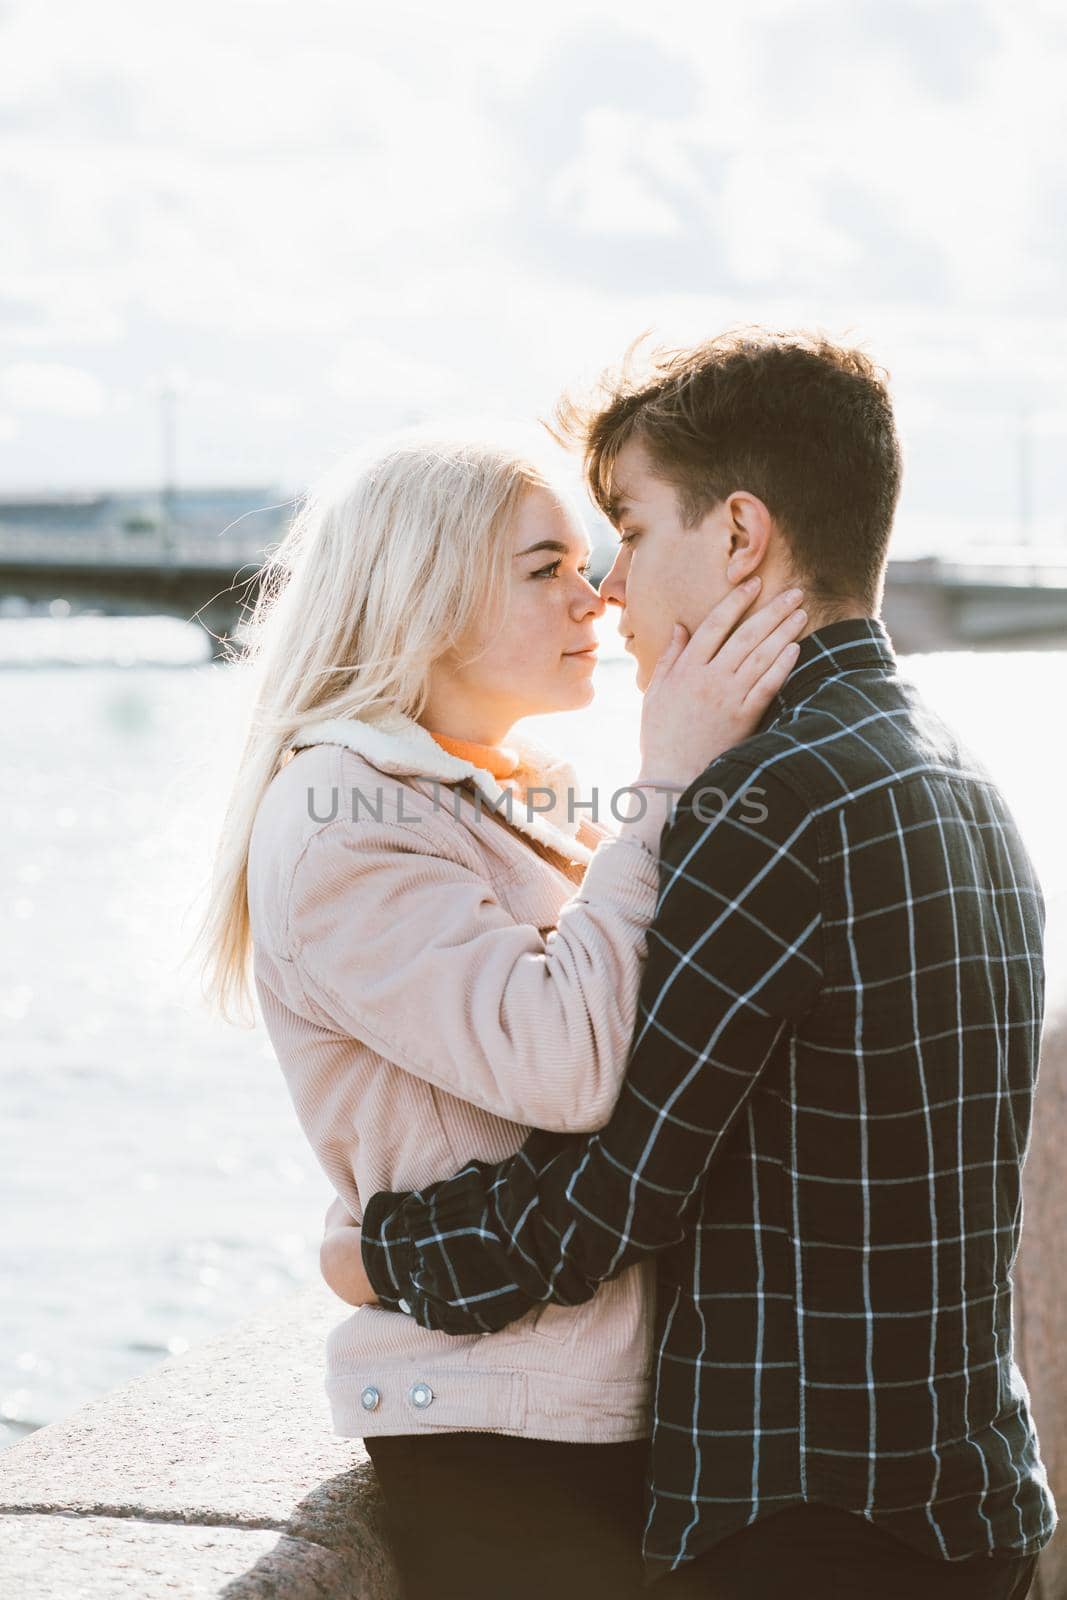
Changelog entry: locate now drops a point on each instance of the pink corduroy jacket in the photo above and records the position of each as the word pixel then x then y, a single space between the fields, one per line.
pixel 434 984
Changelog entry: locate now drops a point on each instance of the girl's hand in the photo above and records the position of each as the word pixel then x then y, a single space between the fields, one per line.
pixel 710 691
pixel 341 1263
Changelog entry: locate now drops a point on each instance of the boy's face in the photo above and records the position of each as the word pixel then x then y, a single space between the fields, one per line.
pixel 665 572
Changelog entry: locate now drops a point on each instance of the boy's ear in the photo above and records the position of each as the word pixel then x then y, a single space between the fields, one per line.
pixel 750 526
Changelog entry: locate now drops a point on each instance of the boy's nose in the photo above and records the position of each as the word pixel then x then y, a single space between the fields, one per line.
pixel 613 588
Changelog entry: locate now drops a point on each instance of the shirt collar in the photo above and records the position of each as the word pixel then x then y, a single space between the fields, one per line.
pixel 495 758
pixel 838 647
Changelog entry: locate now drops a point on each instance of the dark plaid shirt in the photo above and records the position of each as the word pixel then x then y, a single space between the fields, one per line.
pixel 820 1136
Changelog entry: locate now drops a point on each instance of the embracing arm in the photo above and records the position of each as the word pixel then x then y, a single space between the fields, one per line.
pixel 398 943
pixel 734 960
pixel 339 1260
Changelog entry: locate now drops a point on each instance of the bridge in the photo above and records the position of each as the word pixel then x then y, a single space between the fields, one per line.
pixel 206 581
pixel 1010 599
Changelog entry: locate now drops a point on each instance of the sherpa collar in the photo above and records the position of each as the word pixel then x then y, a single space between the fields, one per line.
pixel 399 745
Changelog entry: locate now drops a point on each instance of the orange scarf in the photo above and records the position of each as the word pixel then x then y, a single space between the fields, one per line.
pixel 494 758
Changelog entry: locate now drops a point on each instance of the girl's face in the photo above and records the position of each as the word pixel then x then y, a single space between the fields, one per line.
pixel 541 654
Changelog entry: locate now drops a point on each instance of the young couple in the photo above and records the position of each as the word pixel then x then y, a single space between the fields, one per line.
pixel 734 1319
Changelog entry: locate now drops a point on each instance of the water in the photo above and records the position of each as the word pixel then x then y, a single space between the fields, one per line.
pixel 154 1182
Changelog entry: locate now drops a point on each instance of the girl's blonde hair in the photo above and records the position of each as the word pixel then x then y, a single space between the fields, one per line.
pixel 388 565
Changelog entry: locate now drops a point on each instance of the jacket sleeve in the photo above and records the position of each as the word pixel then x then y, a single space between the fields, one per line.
pixel 412 952
pixel 734 963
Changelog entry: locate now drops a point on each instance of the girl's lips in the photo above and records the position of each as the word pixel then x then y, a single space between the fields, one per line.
pixel 583 654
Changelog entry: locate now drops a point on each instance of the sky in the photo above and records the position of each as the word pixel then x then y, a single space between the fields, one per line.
pixel 316 222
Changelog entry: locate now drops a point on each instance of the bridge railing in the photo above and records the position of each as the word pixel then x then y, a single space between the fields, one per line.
pixel 30 547
pixel 1001 566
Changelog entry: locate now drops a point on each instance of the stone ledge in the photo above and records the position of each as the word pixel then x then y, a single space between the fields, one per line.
pixel 95 1558
pixel 216 1473
pixel 1040 1280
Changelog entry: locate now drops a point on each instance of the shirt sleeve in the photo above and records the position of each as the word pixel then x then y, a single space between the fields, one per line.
pixel 734 962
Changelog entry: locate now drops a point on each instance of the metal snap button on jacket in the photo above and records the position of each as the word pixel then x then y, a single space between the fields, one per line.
pixel 405 1308
pixel 370 1399
pixel 421 1395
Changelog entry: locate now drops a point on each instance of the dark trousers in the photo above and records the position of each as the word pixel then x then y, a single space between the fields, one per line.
pixel 485 1516
pixel 815 1552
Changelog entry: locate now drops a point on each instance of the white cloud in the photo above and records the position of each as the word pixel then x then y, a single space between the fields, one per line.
pixel 323 217
pixel 53 388
pixel 608 188
pixel 370 370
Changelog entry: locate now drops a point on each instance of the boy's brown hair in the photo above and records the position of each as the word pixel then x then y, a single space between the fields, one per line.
pixel 803 423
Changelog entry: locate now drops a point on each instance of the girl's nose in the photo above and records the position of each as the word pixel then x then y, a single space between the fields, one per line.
pixel 591 602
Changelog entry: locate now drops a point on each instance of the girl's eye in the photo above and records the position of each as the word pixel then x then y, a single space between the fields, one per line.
pixel 628 538
pixel 551 572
